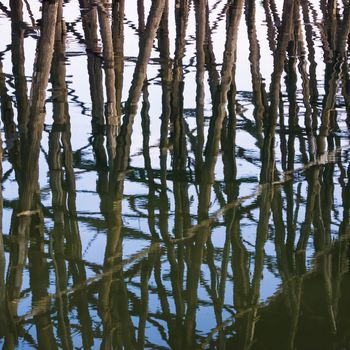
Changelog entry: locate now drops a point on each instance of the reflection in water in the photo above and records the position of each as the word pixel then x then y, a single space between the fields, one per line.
pixel 229 229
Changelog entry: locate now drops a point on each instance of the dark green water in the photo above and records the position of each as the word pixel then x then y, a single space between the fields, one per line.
pixel 175 174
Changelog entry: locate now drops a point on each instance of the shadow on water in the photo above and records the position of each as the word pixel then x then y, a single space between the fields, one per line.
pixel 175 174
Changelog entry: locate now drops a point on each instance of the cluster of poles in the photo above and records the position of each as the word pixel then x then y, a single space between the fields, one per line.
pixel 182 257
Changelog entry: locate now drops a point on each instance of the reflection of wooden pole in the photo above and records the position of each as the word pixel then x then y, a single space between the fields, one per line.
pixel 146 271
pixel 141 18
pixel 261 237
pixel 114 245
pixel 178 135
pixel 39 283
pixel 267 153
pixel 42 63
pixel 118 328
pixel 112 119
pixel 291 284
pixel 311 124
pixel 201 22
pixel 18 63
pixel 332 74
pixel 73 247
pixel 28 180
pixel 3 306
pixel 124 138
pixel 216 289
pixel 146 131
pixel 60 106
pixel 118 7
pixel 89 21
pixel 165 70
pixel 175 256
pixel 313 190
pixel 234 248
pixel 254 58
pixel 115 318
pixel 20 90
pixel 176 265
pixel 291 76
pixel 39 272
pixel 145 124
pixel 219 104
pixel 219 114
pixel 343 34
pixel 112 256
pixel 322 240
pixel 29 183
pixel 37 101
pixel 279 58
pixel 271 30
pixel 210 59
pixel 346 90
pixel 344 228
pixel 240 268
pixel 7 117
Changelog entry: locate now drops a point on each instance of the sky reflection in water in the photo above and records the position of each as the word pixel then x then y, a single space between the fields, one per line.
pixel 175 174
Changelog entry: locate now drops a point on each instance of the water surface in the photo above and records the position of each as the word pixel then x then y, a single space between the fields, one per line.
pixel 175 174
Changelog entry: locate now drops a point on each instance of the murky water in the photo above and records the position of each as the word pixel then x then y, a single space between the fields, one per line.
pixel 175 174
